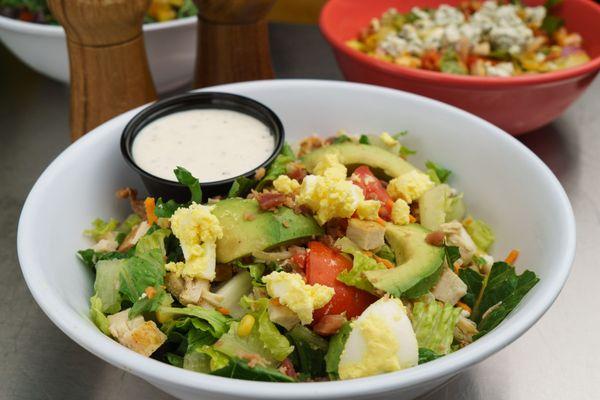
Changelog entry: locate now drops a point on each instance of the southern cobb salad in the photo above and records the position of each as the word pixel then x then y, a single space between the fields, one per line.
pixel 487 38
pixel 37 10
pixel 340 260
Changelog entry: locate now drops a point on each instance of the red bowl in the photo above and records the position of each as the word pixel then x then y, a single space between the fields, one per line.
pixel 517 104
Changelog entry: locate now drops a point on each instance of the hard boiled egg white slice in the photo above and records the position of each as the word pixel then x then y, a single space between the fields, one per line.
pixel 382 340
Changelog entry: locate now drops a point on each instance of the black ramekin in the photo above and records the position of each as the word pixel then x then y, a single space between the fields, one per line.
pixel 159 187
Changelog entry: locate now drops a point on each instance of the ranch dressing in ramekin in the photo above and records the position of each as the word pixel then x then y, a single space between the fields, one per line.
pixel 213 144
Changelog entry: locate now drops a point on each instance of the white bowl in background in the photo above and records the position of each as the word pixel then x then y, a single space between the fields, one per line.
pixel 503 181
pixel 170 46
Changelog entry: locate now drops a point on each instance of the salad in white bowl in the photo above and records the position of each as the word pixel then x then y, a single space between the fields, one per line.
pixel 316 269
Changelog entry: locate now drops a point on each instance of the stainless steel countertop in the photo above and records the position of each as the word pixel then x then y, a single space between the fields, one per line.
pixel 557 359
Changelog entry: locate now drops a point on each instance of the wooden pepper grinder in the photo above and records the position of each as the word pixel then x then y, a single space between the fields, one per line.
pixel 233 41
pixel 108 65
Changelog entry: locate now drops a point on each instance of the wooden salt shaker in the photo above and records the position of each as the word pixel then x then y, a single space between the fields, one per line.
pixel 108 65
pixel 233 41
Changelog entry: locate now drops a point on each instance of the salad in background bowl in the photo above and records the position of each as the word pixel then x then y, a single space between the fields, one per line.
pixel 29 32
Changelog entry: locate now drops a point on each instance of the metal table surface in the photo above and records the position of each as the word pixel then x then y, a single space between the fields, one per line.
pixel 556 359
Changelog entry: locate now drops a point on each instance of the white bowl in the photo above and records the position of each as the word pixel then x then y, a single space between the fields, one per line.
pixel 170 46
pixel 503 181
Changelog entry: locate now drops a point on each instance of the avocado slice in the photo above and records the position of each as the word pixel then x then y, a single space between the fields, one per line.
pixel 437 206
pixel 246 228
pixel 419 264
pixel 360 154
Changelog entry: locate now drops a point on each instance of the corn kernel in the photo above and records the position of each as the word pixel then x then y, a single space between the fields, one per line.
pixel 245 326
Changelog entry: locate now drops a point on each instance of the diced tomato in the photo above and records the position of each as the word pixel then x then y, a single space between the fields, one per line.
pixel 323 266
pixel 298 257
pixel 373 189
pixel 431 60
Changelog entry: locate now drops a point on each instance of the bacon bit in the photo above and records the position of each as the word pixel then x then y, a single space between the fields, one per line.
pixel 260 173
pixel 329 324
pixel 150 292
pixel 270 200
pixel 464 307
pixel 249 217
pixel 327 240
pixel 223 310
pixel 285 223
pixel 435 238
pixel 137 206
pixel 336 227
pixel 287 368
pixel 223 272
pixel 411 219
pixel 298 259
pixel 309 144
pixel 388 264
pixel 150 205
pixel 512 256
pixel 296 170
pixel 253 359
pixel 431 60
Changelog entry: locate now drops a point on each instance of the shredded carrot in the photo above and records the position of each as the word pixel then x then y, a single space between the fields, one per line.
pixel 456 267
pixel 381 221
pixel 223 310
pixel 389 203
pixel 511 258
pixel 149 204
pixel 150 292
pixel 388 264
pixel 411 219
pixel 464 307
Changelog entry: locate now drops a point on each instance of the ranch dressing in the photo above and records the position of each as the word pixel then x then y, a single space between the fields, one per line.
pixel 213 144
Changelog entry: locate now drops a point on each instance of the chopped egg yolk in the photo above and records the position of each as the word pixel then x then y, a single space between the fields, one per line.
pixel 284 184
pixel 328 194
pixel 380 352
pixel 409 186
pixel 198 231
pixel 388 140
pixel 330 167
pixel 400 212
pixel 291 291
pixel 368 210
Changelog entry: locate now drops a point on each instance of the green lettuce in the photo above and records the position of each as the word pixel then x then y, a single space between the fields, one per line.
pixel 165 209
pixel 106 285
pixel 386 253
pixel 203 358
pixel 264 340
pixel 97 316
pixel 151 241
pixel 502 291
pixel 336 347
pixel 474 282
pixel 90 257
pixel 207 320
pixel 434 325
pixel 239 369
pixel 451 63
pixel 277 167
pixel 361 263
pixel 426 355
pixel 241 187
pixel 147 305
pixel 481 233
pixel 126 226
pixel 185 333
pixel 186 178
pixel 309 351
pixel 140 272
pixel 101 228
pixel 437 173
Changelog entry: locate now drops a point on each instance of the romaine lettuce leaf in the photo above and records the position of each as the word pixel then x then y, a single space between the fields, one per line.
pixel 480 232
pixel 241 187
pixel 186 178
pixel 361 263
pixel 277 167
pixel 165 209
pixel 264 340
pixel 336 346
pixel 426 355
pixel 106 285
pixel 90 257
pixel 438 173
pixel 210 320
pixel 474 282
pixel 434 325
pixel 140 272
pixel 309 351
pixel 502 291
pixel 153 240
pixel 97 316
pixel 239 369
pixel 386 253
pixel 146 304
pixel 203 358
pixel 101 228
